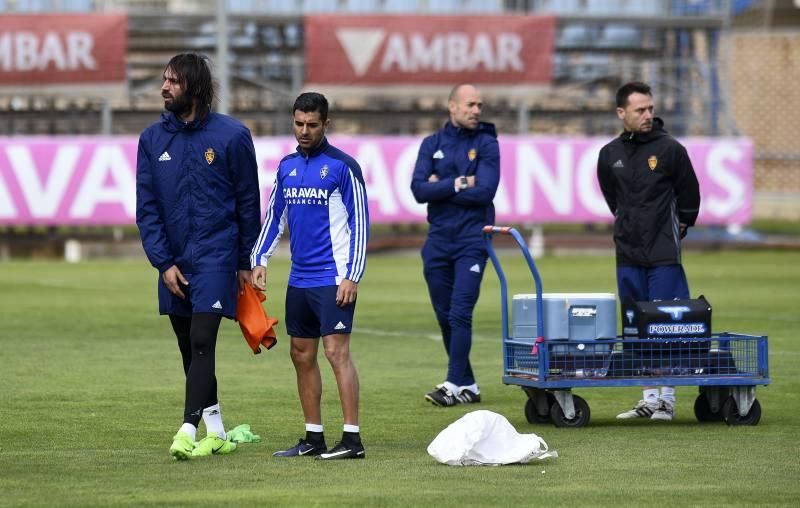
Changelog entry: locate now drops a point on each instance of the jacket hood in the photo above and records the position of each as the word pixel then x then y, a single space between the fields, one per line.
pixel 483 127
pixel 172 123
pixel 658 131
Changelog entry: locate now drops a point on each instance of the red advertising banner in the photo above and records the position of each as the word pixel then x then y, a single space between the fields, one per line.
pixel 442 50
pixel 50 49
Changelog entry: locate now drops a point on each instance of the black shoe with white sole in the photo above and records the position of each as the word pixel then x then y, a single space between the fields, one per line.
pixel 344 451
pixel 443 397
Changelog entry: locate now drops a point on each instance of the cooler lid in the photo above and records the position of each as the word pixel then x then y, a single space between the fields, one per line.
pixel 568 296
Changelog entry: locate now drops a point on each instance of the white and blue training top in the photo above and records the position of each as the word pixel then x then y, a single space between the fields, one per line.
pixel 322 198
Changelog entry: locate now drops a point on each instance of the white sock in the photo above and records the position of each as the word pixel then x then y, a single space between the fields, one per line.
pixel 473 388
pixel 189 429
pixel 651 395
pixel 313 427
pixel 668 394
pixel 451 387
pixel 351 428
pixel 212 417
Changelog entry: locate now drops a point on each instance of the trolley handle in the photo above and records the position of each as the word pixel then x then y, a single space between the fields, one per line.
pixel 503 230
pixel 488 230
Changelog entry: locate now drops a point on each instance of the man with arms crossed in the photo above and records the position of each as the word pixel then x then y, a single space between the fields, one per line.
pixel 457 174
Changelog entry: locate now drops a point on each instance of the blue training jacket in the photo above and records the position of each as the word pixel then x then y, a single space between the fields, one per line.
pixel 450 153
pixel 323 200
pixel 197 195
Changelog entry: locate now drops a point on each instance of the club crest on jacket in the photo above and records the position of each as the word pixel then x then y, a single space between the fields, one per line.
pixel 472 154
pixel 323 172
pixel 210 155
pixel 652 161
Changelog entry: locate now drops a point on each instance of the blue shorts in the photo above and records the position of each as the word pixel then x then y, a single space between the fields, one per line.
pixel 643 284
pixel 312 313
pixel 213 293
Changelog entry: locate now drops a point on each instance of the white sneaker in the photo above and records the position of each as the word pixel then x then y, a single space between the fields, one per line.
pixel 665 411
pixel 641 410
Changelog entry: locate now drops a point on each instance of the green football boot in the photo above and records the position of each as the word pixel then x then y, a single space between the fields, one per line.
pixel 182 446
pixel 212 444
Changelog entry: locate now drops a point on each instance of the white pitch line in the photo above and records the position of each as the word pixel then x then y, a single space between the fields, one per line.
pixel 436 337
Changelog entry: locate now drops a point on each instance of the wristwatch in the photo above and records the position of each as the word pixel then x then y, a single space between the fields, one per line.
pixel 462 183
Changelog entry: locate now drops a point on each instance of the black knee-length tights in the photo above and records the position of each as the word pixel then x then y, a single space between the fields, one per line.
pixel 197 341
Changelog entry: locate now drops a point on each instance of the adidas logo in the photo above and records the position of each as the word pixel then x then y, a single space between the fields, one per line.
pixel 217 305
pixel 164 157
pixel 294 172
pixel 618 164
pixel 475 268
pixel 339 326
pixel 438 155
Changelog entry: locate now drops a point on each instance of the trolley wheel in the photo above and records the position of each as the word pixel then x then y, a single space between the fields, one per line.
pixel 533 416
pixel 730 413
pixel 582 414
pixel 703 412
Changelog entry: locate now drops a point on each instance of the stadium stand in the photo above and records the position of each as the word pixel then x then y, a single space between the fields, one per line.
pixel 686 48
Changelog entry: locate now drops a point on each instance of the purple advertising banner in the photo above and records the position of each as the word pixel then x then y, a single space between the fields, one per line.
pixel 92 180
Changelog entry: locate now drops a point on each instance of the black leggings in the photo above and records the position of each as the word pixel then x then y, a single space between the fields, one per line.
pixel 197 340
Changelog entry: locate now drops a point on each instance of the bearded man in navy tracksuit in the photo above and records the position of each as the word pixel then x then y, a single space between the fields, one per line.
pixel 457 174
pixel 197 208
pixel 319 193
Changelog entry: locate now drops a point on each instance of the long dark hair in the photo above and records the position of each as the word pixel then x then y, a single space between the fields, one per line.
pixel 194 75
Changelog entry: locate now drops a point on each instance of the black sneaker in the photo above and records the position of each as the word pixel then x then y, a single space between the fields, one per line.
pixel 344 451
pixel 468 397
pixel 302 447
pixel 443 397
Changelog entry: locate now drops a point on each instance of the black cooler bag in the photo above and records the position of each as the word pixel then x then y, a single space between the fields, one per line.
pixel 668 319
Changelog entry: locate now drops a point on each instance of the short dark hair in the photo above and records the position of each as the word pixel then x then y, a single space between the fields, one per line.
pixel 194 75
pixel 310 102
pixel 627 89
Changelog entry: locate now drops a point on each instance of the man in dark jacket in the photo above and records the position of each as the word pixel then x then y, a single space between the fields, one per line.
pixel 198 212
pixel 650 186
pixel 457 174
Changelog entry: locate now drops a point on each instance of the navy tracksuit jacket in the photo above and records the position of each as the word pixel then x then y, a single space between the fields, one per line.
pixel 197 198
pixel 454 255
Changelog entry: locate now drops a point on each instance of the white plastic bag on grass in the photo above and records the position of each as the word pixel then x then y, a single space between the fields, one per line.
pixel 484 438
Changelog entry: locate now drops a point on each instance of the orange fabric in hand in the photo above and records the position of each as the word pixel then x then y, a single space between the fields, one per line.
pixel 256 325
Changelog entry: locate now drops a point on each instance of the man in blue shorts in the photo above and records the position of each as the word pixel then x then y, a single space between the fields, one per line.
pixel 197 208
pixel 319 193
pixel 650 186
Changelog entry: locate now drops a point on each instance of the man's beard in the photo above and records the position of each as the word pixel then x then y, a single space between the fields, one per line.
pixel 180 105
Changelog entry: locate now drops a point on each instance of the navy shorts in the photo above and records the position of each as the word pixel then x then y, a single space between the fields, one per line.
pixel 213 293
pixel 312 312
pixel 643 284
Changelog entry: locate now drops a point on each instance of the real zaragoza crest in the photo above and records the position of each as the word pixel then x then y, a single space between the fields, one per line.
pixel 210 155
pixel 324 171
pixel 652 161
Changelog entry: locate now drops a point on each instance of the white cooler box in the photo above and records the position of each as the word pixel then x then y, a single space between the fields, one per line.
pixel 574 316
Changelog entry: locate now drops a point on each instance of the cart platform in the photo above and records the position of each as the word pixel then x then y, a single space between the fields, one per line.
pixel 726 366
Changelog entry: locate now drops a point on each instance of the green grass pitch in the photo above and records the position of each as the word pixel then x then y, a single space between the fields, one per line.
pixel 92 392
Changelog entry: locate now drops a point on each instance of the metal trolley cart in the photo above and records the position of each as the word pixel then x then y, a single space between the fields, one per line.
pixel 726 367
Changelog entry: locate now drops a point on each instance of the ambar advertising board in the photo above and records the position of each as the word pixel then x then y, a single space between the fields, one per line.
pixel 439 50
pixel 53 49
